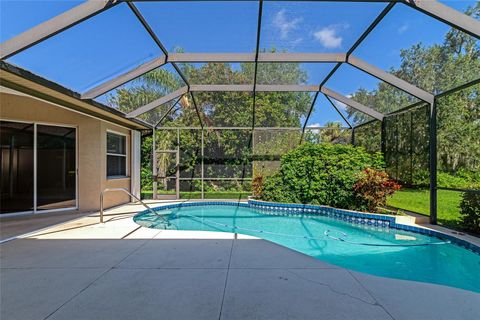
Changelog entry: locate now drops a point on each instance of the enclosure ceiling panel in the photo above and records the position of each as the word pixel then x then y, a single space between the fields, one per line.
pixel 154 104
pixel 262 57
pixel 37 14
pixel 286 88
pixel 351 103
pixel 286 73
pixel 419 39
pixel 220 87
pixel 53 26
pixel 211 57
pixel 160 113
pixel 124 78
pixel 203 26
pixel 391 98
pixel 348 114
pixel 448 15
pixel 315 26
pixel 222 73
pixel 143 90
pixel 225 109
pixel 326 111
pixel 282 108
pixel 252 34
pixel 80 61
pixel 259 88
pixel 390 79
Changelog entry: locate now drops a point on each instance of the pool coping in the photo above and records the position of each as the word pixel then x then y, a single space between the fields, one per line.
pixel 356 217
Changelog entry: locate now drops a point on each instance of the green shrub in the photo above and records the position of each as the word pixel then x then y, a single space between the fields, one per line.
pixel 146 178
pixel 273 189
pixel 462 179
pixel 421 178
pixel 320 174
pixel 372 189
pixel 470 211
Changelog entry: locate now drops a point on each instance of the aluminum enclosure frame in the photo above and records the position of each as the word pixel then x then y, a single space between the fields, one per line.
pixel 91 8
pixel 201 131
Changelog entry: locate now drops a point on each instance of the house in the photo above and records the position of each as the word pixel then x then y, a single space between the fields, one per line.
pixel 59 152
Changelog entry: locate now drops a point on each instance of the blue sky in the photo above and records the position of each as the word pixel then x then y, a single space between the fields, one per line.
pixel 114 41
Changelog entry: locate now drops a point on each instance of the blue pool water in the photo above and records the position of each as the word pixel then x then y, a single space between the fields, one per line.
pixel 379 251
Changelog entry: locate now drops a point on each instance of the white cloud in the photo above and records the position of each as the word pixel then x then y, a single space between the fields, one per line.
pixel 315 125
pixel 296 42
pixel 403 28
pixel 284 25
pixel 329 37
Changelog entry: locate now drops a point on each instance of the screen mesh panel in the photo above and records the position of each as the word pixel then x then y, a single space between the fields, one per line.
pixel 369 136
pixel 407 146
pixel 458 148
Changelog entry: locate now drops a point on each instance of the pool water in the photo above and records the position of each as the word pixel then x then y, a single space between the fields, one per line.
pixel 375 250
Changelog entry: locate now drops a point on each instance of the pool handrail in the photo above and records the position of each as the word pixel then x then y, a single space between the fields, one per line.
pixel 127 192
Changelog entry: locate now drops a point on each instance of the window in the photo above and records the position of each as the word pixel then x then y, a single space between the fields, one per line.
pixel 116 155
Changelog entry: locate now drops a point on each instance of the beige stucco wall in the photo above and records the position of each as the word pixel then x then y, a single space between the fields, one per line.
pixel 91 155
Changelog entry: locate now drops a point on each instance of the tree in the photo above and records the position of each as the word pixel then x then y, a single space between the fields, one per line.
pixel 143 90
pixel 436 69
pixel 332 133
pixel 227 152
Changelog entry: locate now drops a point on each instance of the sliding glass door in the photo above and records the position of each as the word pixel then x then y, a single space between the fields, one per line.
pixel 56 167
pixel 17 166
pixel 38 167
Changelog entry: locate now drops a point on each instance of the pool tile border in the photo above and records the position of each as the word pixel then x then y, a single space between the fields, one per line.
pixel 356 217
pixel 377 220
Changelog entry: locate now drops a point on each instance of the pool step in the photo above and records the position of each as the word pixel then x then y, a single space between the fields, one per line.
pixel 412 218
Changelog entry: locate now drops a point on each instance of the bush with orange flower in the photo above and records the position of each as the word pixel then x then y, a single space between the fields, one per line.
pixel 373 187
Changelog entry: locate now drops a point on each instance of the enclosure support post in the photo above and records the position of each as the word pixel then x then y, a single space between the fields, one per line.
pixel 353 136
pixel 177 167
pixel 154 164
pixel 202 169
pixel 255 70
pixel 410 151
pixel 382 138
pixel 433 162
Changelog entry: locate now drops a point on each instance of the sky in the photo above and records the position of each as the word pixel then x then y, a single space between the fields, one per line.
pixel 114 41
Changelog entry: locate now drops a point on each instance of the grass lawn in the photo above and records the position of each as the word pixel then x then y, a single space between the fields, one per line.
pixel 418 200
pixel 208 195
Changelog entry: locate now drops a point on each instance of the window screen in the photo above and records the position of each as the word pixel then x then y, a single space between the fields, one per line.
pixel 116 155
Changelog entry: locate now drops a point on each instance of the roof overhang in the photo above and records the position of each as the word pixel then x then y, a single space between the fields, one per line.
pixel 28 83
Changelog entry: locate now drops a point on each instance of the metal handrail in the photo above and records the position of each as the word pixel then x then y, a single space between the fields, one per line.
pixel 127 192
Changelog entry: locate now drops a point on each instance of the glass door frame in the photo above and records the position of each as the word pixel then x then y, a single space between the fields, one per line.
pixel 35 178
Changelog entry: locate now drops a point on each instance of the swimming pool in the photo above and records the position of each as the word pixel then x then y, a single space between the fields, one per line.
pixel 372 247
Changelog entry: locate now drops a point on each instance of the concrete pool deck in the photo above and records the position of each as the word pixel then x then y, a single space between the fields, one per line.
pixel 81 269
